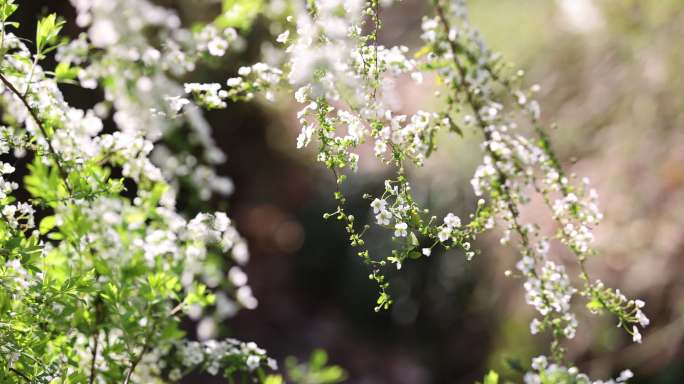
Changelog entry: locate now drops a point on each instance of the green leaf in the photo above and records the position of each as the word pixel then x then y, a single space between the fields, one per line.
pixel 64 72
pixel 4 302
pixel 594 305
pixel 318 359
pixel 239 13
pixel 515 365
pixel 491 378
pixel 47 224
pixel 273 379
pixel 413 240
pixel 47 31
pixel 55 236
pixel 7 8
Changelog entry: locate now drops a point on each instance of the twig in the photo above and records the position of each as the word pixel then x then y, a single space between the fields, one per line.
pixel 145 349
pixel 96 340
pixel 20 374
pixel 176 309
pixel 135 362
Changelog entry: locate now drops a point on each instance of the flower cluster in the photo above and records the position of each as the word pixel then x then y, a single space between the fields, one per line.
pixel 344 80
pixel 118 268
pixel 121 48
pixel 545 372
pixel 212 356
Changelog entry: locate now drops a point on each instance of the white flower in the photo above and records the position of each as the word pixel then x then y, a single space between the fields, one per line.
pixel 452 221
pixel 234 81
pixel 636 336
pixel 379 148
pixel 569 332
pixel 444 234
pixel 253 362
pixel 237 276
pixel 282 38
pixel 241 253
pixel 400 229
pixel 383 218
pixel 402 208
pixel 9 210
pixel 175 374
pixel 6 168
pixel 176 103
pixel 378 205
pixel 103 33
pixel 643 320
pixel 427 251
pixel 225 307
pixel 539 363
pixel 245 297
pixel 535 326
pixel 300 94
pixel 206 329
pixel 534 109
pixel 217 46
pixel 624 376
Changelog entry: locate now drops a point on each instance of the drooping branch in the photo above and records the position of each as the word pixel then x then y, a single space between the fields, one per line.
pixel 20 374
pixel 40 125
pixel 502 179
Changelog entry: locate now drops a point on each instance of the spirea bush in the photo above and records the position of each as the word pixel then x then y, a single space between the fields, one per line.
pixel 97 271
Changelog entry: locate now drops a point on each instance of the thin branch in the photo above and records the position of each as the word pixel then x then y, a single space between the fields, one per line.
pixel 473 104
pixel 33 114
pixel 20 374
pixel 136 361
pixel 145 349
pixel 96 340
pixel 176 309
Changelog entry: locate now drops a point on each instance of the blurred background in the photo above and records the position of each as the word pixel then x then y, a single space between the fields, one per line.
pixel 611 78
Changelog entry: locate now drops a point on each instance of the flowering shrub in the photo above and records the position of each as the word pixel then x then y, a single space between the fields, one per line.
pixel 95 289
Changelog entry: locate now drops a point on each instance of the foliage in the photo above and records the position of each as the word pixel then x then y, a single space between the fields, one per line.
pixel 315 371
pixel 95 291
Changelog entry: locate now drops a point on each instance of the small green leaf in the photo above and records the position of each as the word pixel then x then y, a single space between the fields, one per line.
pixel 318 359
pixel 491 378
pixel 594 305
pixel 47 224
pixel 274 379
pixel 55 236
pixel 64 72
pixel 413 240
pixel 239 13
pixel 515 365
pixel 47 31
pixel 7 8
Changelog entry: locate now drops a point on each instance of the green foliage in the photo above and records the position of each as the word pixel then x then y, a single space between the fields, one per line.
pixel 7 8
pixel 47 33
pixel 315 371
pixel 239 13
pixel 64 72
pixel 491 378
pixel 102 281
